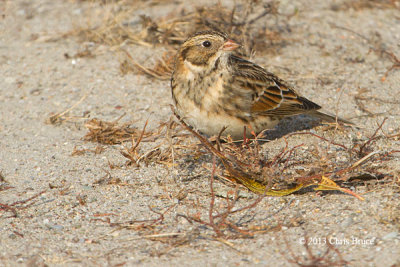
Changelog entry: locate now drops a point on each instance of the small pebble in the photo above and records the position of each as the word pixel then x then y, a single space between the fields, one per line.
pixel 390 236
pixel 57 227
pixel 347 222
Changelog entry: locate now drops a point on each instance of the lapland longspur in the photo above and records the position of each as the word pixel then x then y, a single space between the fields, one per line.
pixel 212 88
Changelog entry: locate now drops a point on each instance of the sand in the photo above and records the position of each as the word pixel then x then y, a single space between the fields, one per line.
pixel 69 222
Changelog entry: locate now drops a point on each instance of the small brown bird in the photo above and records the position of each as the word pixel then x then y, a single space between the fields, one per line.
pixel 212 88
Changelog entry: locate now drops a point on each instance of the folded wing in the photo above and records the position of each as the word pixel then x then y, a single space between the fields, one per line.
pixel 270 95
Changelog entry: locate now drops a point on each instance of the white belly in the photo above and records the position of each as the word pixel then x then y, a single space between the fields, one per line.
pixel 211 123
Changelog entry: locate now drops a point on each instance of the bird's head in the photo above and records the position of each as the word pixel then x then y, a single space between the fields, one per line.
pixel 203 49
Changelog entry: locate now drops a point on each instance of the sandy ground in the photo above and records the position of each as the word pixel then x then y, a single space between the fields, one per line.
pixel 60 227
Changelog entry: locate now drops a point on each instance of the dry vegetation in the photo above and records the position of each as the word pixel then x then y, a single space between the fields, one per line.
pixel 115 29
pixel 110 24
pixel 245 163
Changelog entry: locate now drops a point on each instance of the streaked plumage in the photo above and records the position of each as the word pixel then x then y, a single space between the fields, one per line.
pixel 213 88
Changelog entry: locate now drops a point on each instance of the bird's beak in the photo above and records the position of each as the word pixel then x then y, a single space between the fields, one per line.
pixel 230 45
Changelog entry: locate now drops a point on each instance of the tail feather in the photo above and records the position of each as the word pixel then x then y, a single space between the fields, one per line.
pixel 330 118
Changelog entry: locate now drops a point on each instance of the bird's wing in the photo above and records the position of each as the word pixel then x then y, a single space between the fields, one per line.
pixel 271 96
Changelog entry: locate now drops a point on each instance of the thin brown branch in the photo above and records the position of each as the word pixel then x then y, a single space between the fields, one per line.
pixel 9 208
pixel 372 138
pixel 320 137
pixel 212 201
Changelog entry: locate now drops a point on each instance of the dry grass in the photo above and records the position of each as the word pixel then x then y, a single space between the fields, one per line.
pixel 168 140
pixel 243 163
pixel 61 117
pixel 114 25
pixel 110 133
pixel 246 164
pixel 162 70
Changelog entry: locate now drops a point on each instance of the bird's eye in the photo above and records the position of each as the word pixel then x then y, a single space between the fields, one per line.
pixel 206 43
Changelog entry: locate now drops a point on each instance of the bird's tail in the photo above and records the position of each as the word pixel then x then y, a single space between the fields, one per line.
pixel 330 118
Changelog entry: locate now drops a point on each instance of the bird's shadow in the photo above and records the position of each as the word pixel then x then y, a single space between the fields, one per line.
pixel 290 125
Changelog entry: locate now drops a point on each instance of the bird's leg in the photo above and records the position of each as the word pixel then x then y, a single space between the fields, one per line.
pixel 245 139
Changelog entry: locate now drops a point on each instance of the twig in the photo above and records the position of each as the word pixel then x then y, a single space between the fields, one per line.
pixel 362 160
pixel 140 137
pixel 55 118
pixel 268 8
pixel 28 199
pixel 13 207
pixel 227 243
pixel 320 137
pixel 211 209
pixel 373 137
pixel 130 154
pixel 9 208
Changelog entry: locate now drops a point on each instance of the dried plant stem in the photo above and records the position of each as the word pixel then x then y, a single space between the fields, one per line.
pixel 57 117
